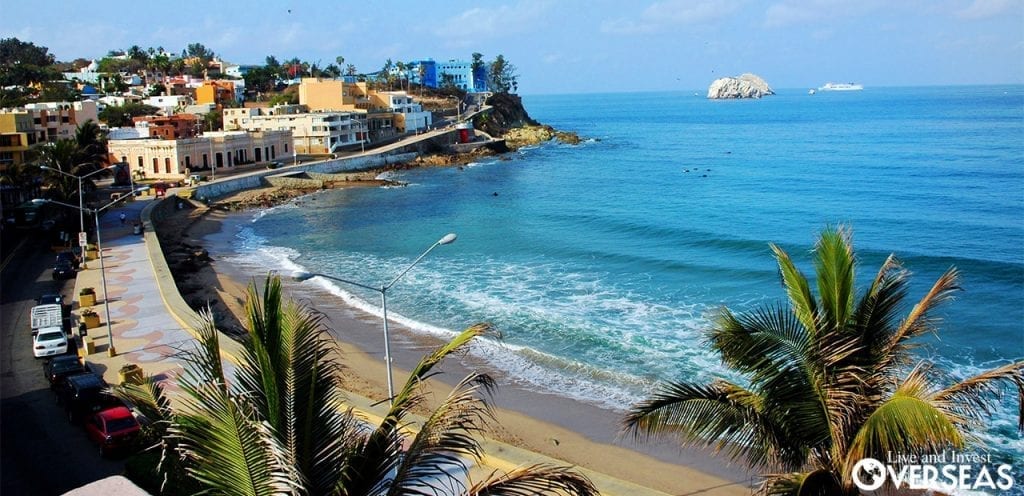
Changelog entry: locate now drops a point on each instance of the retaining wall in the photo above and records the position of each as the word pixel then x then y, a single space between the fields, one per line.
pixel 256 179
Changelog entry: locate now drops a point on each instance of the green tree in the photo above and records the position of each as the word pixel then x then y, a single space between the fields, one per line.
pixel 830 378
pixel 350 70
pixel 92 145
pixel 260 79
pixel 502 76
pixel 121 116
pixel 23 64
pixel 199 51
pixel 275 427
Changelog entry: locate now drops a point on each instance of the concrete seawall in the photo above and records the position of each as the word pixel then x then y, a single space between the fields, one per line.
pixel 256 179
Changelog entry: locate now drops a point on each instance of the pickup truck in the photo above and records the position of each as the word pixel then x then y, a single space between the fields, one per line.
pixel 43 316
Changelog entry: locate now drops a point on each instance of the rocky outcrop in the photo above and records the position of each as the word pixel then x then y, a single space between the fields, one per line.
pixel 507 113
pixel 744 86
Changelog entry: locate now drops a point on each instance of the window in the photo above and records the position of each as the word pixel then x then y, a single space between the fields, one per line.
pixel 167 165
pixel 140 161
pixel 156 166
pixel 206 161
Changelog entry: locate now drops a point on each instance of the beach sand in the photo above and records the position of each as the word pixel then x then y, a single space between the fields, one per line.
pixel 578 433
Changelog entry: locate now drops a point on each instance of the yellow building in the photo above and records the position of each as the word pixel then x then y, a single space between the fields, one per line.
pixel 16 137
pixel 387 112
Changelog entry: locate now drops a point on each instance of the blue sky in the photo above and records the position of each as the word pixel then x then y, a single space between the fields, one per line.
pixel 574 46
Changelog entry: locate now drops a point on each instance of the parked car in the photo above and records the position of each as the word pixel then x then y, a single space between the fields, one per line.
pixel 112 429
pixel 85 394
pixel 57 368
pixel 49 341
pixel 63 270
pixel 50 299
pixel 68 256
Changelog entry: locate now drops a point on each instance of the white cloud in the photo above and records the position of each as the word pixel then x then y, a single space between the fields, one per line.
pixel 480 23
pixel 669 13
pixel 984 9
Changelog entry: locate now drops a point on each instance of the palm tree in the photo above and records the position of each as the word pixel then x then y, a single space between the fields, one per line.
pixel 92 145
pixel 831 380
pixel 275 427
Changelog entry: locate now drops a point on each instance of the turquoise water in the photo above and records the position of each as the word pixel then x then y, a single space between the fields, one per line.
pixel 600 263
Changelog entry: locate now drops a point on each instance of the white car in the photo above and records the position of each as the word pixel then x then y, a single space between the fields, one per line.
pixel 49 341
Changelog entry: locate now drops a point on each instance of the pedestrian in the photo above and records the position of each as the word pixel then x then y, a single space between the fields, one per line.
pixel 123 218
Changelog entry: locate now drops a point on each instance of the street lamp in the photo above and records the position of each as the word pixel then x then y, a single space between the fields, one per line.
pixel 383 290
pixel 81 213
pixel 111 351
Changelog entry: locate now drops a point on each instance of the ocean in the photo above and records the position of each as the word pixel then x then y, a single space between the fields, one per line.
pixel 602 263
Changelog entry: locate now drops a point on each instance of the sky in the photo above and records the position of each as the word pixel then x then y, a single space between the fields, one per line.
pixel 572 46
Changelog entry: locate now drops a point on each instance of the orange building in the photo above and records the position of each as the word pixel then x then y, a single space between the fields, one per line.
pixel 215 91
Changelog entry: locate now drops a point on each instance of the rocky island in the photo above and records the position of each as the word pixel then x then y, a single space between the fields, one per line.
pixel 743 86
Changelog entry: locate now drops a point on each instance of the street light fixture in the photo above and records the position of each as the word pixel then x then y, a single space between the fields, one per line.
pixel 383 290
pixel 81 213
pixel 111 351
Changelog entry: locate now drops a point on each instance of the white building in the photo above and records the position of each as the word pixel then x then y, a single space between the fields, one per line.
pixel 412 116
pixel 312 132
pixel 168 105
pixel 176 159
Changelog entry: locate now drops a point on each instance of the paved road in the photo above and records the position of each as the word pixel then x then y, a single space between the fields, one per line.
pixel 40 453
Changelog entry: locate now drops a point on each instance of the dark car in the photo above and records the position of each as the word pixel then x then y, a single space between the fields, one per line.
pixel 57 368
pixel 50 299
pixel 63 270
pixel 83 395
pixel 112 429
pixel 69 257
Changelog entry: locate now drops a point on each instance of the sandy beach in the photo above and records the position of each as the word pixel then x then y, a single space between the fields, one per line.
pixel 578 433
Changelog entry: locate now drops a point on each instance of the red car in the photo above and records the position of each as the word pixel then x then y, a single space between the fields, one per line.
pixel 112 429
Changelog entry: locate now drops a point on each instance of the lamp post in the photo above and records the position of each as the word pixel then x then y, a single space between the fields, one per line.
pixel 383 290
pixel 111 351
pixel 81 206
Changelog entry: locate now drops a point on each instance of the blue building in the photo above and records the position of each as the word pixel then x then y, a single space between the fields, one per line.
pixel 459 72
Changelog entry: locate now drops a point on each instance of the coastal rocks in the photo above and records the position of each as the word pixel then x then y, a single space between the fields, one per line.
pixel 534 135
pixel 744 86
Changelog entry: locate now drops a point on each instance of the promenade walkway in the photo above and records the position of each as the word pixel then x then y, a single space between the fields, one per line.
pixel 144 332
pixel 149 320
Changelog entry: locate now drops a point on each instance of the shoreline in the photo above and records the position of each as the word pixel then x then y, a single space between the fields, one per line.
pixel 575 432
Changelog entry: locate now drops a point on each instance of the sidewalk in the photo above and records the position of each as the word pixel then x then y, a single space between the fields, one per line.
pixel 144 332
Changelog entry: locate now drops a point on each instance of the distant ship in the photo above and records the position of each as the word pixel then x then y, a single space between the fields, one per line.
pixel 841 87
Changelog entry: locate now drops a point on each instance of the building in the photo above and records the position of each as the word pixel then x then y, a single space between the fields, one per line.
pixel 409 116
pixel 217 92
pixel 17 135
pixel 458 73
pixel 168 104
pixel 387 112
pixel 314 133
pixel 170 127
pixel 176 159
pixel 54 121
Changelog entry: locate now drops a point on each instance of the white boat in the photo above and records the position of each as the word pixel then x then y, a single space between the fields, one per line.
pixel 811 91
pixel 841 87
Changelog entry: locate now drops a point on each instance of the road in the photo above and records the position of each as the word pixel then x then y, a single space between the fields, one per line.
pixel 40 452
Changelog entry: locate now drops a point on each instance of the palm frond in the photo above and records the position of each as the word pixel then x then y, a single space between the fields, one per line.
pixel 834 264
pixel 535 480
pixel 721 415
pixel 447 437
pixel 920 321
pixel 761 342
pixel 910 421
pixel 229 451
pixel 799 291
pixel 367 469
pixel 972 398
